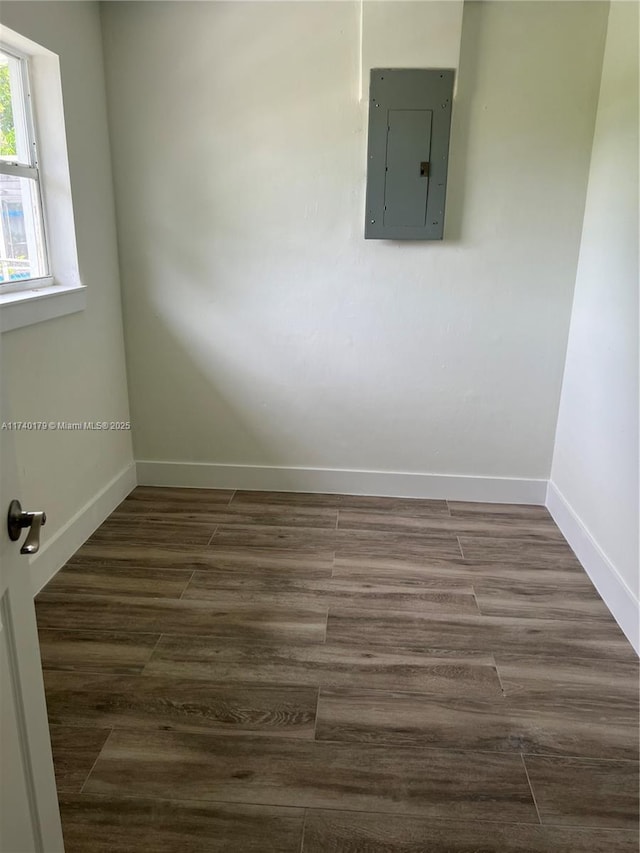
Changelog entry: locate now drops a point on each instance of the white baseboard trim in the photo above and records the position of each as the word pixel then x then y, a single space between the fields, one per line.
pixel 66 541
pixel 622 603
pixel 205 475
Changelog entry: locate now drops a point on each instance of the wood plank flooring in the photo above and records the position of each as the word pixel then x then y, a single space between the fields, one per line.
pixel 251 672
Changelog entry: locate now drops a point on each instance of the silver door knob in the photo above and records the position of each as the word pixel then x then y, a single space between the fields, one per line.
pixel 17 521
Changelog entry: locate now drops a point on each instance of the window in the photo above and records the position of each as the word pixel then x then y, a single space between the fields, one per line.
pixel 23 253
pixel 39 268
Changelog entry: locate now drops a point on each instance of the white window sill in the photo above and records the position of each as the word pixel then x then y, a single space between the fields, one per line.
pixel 25 307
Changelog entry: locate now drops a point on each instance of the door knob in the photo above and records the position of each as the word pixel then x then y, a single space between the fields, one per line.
pixel 17 521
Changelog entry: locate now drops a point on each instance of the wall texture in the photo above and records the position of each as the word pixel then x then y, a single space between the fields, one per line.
pixel 72 368
pixel 595 463
pixel 261 329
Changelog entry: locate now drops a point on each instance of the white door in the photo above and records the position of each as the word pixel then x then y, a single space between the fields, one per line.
pixel 29 814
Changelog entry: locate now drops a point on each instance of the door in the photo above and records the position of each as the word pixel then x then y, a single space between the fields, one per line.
pixel 29 814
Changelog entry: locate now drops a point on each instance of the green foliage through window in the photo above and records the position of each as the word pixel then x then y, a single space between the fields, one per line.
pixel 7 127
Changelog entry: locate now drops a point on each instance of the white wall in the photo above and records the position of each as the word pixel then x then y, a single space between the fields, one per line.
pixel 595 462
pixel 261 328
pixel 72 368
pixel 402 35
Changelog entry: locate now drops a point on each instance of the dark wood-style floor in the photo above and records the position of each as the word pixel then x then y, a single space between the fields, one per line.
pixel 276 673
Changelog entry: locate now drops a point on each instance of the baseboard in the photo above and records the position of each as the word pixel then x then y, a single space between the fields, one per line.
pixel 340 481
pixel 615 593
pixel 66 541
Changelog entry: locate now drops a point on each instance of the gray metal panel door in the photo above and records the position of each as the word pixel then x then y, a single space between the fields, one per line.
pixel 406 182
pixel 408 149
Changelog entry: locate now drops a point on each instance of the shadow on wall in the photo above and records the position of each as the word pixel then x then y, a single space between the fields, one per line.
pixel 227 307
pixel 210 373
pixel 177 369
pixel 461 124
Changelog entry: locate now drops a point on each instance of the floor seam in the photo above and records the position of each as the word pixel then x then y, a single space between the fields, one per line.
pixel 475 598
pixel 495 663
pixel 304 826
pixel 338 808
pixel 97 757
pixel 533 796
pixel 315 722
pixel 153 650
pixel 335 807
pixel 187 585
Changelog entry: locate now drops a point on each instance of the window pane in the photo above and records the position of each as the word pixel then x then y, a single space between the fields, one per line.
pixel 22 250
pixel 15 144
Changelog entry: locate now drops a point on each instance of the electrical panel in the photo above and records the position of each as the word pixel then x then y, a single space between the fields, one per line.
pixel 408 153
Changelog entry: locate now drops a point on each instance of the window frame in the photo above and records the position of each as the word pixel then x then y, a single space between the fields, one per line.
pixel 64 292
pixel 30 171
